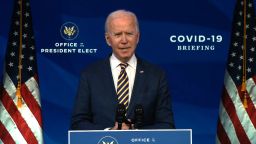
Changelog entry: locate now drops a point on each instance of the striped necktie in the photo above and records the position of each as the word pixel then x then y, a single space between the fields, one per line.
pixel 123 86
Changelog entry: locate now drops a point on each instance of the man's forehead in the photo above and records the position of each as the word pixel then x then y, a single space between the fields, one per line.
pixel 120 28
pixel 123 19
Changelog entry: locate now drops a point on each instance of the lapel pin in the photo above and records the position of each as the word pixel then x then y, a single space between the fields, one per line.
pixel 141 71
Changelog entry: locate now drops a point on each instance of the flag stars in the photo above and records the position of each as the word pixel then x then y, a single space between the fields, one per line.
pixel 242 3
pixel 23 46
pixel 249 70
pixel 237 34
pixel 231 64
pixel 22 56
pixel 250 5
pixel 252 49
pixel 15 33
pixel 239 23
pixel 239 67
pixel 32 47
pixel 14 43
pixel 27 14
pixel 233 54
pixel 18 12
pixel 29 68
pixel 31 58
pixel 250 59
pixel 11 64
pixel 247 26
pixel 24 36
pixel 248 15
pixel 254 28
pixel 240 13
pixel 26 25
pixel 17 22
pixel 12 54
pixel 27 4
pixel 241 57
pixel 254 39
pixel 238 77
pixel 235 44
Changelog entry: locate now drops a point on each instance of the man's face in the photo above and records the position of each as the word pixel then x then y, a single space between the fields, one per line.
pixel 123 37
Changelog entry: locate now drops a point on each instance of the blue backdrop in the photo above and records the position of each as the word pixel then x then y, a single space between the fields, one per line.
pixel 195 77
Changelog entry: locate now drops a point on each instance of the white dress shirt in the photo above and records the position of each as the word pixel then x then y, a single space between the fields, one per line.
pixel 130 70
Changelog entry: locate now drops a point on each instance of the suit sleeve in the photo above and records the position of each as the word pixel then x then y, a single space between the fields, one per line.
pixel 163 111
pixel 82 115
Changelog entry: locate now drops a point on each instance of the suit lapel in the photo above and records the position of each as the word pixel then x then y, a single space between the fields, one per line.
pixel 109 82
pixel 137 88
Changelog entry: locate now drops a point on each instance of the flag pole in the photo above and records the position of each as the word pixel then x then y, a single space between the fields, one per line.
pixel 243 89
pixel 18 92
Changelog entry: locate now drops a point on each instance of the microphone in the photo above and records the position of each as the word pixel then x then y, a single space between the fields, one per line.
pixel 120 115
pixel 139 112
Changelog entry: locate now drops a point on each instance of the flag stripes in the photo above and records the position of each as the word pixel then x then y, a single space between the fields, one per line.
pixel 232 110
pixel 7 132
pixel 17 117
pixel 223 136
pixel 31 110
pixel 237 115
pixel 31 103
pixel 20 121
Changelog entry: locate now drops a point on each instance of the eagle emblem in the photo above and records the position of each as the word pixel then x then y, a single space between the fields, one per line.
pixel 107 142
pixel 69 31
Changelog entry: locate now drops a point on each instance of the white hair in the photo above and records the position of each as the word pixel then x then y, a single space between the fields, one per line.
pixel 119 13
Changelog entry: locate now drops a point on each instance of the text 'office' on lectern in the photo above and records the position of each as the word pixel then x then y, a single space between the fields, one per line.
pixel 172 136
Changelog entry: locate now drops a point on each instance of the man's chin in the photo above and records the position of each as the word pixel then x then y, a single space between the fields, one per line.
pixel 125 58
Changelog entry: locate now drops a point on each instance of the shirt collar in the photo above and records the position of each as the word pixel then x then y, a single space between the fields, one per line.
pixel 114 62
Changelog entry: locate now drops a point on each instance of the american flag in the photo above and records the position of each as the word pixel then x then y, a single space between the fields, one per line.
pixel 237 115
pixel 20 108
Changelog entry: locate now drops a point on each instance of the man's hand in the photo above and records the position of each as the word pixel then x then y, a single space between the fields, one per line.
pixel 124 126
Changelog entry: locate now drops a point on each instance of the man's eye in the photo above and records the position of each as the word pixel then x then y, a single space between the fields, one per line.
pixel 130 34
pixel 118 34
pixel 125 33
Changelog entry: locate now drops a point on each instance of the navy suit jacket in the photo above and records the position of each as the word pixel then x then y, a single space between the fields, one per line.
pixel 96 100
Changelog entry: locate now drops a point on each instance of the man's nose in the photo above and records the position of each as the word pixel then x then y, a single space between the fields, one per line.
pixel 124 38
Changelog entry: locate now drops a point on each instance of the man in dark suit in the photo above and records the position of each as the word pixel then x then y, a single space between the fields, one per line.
pixel 122 78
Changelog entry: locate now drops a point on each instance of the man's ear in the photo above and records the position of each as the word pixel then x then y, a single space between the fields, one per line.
pixel 107 39
pixel 138 37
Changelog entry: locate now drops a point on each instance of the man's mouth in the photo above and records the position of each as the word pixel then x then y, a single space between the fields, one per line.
pixel 124 48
